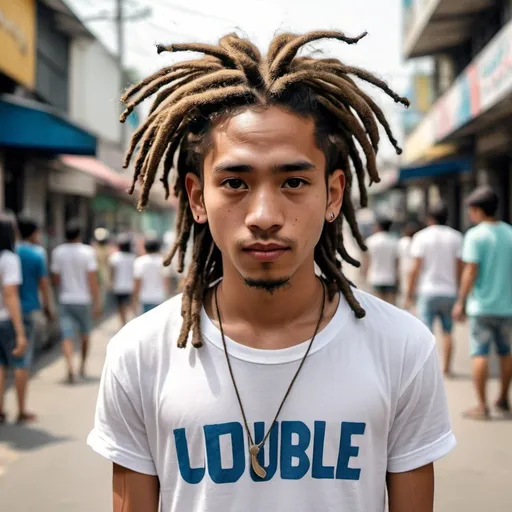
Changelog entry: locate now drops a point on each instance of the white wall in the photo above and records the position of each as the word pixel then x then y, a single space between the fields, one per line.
pixel 95 86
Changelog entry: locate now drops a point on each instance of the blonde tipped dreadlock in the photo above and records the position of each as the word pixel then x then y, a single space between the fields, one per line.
pixel 234 75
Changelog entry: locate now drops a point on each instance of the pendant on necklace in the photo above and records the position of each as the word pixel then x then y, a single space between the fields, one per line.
pixel 256 466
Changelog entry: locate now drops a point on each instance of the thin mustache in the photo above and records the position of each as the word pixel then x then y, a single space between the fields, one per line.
pixel 288 242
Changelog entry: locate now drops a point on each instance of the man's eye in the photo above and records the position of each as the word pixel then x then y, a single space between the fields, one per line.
pixel 234 184
pixel 295 183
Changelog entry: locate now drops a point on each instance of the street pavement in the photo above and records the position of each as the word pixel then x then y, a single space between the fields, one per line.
pixel 47 466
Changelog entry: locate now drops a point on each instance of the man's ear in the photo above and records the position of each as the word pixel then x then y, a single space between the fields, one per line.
pixel 335 190
pixel 195 197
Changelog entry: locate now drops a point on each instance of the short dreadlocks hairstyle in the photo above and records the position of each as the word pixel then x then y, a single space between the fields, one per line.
pixel 193 95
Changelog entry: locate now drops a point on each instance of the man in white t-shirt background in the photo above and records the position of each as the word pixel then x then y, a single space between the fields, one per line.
pixel 152 279
pixel 381 261
pixel 121 264
pixel 74 271
pixel 437 252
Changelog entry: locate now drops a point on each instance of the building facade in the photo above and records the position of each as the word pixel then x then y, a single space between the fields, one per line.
pixel 465 139
pixel 60 138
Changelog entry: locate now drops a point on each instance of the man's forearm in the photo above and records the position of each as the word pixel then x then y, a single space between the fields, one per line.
pixel 94 288
pixel 13 306
pixel 469 275
pixel 44 286
pixel 413 280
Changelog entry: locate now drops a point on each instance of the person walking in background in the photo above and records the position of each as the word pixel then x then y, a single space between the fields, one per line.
pixel 381 265
pixel 74 272
pixel 121 267
pixel 101 245
pixel 405 260
pixel 435 275
pixel 13 341
pixel 35 283
pixel 485 295
pixel 152 279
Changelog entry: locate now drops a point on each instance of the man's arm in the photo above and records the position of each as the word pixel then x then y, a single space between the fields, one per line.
pixel 412 491
pixel 133 492
pixel 413 281
pixel 94 286
pixel 136 294
pixel 460 268
pixel 44 288
pixel 469 275
pixel 13 306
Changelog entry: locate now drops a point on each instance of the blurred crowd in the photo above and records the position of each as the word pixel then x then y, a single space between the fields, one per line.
pixel 59 296
pixel 442 275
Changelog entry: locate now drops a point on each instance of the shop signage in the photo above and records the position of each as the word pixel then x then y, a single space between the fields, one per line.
pixel 485 82
pixel 17 40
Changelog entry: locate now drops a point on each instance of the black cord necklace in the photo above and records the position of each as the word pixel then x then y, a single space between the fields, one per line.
pixel 253 447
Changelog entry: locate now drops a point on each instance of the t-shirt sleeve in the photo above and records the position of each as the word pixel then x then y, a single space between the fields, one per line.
pixel 119 432
pixel 471 252
pixel 42 270
pixel 459 246
pixel 421 432
pixel 137 269
pixel 417 247
pixel 11 270
pixel 92 263
pixel 56 262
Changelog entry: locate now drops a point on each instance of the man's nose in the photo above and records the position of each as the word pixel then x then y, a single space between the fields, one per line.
pixel 265 211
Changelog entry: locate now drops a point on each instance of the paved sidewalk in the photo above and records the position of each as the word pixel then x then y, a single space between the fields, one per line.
pixel 47 467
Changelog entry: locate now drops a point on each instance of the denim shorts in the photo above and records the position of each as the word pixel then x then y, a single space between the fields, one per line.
pixel 7 344
pixel 431 307
pixel 487 330
pixel 148 307
pixel 75 317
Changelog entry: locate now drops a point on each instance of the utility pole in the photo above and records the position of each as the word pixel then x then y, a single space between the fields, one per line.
pixel 119 17
pixel 120 61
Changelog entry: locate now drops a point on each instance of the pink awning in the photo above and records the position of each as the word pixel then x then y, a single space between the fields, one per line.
pixel 99 170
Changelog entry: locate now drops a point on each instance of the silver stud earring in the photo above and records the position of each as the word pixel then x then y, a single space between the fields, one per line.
pixel 332 217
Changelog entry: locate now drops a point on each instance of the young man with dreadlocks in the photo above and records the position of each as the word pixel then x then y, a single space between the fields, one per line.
pixel 214 400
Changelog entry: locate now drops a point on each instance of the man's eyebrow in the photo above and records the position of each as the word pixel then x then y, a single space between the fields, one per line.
pixel 299 165
pixel 232 167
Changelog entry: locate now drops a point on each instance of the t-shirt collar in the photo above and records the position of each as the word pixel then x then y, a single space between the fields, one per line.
pixel 211 334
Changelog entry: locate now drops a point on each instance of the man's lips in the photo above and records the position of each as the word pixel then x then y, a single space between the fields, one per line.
pixel 266 252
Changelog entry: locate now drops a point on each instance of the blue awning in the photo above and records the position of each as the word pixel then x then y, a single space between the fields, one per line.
pixel 436 169
pixel 29 124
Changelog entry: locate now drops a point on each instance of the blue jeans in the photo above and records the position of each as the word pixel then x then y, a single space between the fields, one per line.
pixel 7 345
pixel 485 330
pixel 75 316
pixel 148 307
pixel 431 307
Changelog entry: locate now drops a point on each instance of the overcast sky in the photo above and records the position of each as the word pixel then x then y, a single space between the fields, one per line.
pixel 207 20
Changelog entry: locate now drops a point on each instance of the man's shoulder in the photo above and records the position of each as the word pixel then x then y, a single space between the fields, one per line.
pixel 392 330
pixel 143 336
pixel 8 258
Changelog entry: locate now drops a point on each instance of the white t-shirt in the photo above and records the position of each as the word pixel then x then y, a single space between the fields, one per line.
pixel 439 247
pixel 152 273
pixel 122 264
pixel 73 262
pixel 10 274
pixel 369 399
pixel 383 251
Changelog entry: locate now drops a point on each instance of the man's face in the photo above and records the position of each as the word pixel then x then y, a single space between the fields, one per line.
pixel 474 214
pixel 264 194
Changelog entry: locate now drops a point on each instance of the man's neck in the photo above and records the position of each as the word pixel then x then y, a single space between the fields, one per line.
pixel 266 310
pixel 490 220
